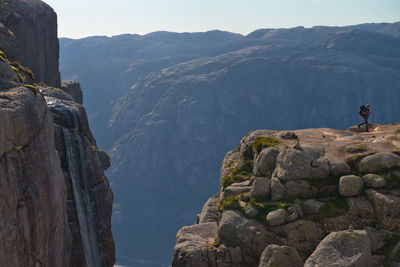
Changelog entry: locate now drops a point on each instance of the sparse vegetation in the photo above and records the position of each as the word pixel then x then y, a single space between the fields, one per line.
pixel 34 89
pixel 230 203
pixel 361 148
pixel 20 78
pixel 25 70
pixel 237 175
pixel 264 142
pixel 2 56
pixel 264 208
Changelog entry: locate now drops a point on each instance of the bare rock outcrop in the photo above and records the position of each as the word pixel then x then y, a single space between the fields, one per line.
pixel 273 196
pixel 33 28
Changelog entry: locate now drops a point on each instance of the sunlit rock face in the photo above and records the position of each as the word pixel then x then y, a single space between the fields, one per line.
pixel 346 215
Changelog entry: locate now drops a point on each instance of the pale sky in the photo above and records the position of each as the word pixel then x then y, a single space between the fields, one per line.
pixel 81 18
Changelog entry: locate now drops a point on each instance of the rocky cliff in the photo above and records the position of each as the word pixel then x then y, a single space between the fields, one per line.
pixel 55 201
pixel 28 30
pixel 316 197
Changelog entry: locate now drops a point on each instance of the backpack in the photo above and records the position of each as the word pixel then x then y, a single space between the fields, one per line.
pixel 363 109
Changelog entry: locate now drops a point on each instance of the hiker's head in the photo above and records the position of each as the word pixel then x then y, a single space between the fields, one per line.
pixel 368 105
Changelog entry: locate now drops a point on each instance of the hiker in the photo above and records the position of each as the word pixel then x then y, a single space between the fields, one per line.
pixel 364 112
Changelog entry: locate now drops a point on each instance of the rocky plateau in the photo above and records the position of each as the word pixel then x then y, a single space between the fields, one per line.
pixel 313 197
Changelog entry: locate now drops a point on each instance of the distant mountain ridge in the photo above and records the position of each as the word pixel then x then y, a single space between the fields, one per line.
pixel 194 96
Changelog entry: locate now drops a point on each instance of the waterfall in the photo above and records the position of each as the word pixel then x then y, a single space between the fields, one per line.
pixel 80 180
pixel 82 200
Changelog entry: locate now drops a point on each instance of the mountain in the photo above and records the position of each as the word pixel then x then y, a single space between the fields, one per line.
pixel 56 203
pixel 313 197
pixel 168 133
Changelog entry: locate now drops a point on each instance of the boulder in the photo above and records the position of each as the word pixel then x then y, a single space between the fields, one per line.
pixel 264 164
pixel 377 238
pixel 338 167
pixel 374 181
pixel 312 206
pixel 379 162
pixel 234 190
pixel 292 214
pixel 209 213
pixel 350 185
pixel 387 209
pixel 289 189
pixel 261 187
pixel 250 235
pixel 344 248
pixel 276 217
pixel 250 211
pixel 293 164
pixel 303 235
pixel 275 255
pixel 206 231
pixel 319 168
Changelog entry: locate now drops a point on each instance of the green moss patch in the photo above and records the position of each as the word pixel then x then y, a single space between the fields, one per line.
pixel 237 175
pixel 230 203
pixel 264 208
pixel 264 142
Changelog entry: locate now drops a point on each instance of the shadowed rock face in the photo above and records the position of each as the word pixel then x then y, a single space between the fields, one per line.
pixel 55 202
pixel 52 181
pixel 34 25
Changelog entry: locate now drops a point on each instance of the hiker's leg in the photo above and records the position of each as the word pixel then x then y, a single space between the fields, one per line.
pixel 366 123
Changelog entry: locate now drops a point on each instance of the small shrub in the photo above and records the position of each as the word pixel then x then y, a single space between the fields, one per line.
pixel 20 78
pixel 3 56
pixel 361 148
pixel 236 175
pixel 34 89
pixel 230 203
pixel 264 142
pixel 26 70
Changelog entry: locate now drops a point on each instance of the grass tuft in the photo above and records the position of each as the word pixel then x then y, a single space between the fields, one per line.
pixel 236 175
pixel 230 203
pixel 34 89
pixel 25 70
pixel 264 142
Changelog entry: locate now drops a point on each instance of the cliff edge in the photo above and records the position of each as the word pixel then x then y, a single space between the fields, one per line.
pixel 314 197
pixel 56 202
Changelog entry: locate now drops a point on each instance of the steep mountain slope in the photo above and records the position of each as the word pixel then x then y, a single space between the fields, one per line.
pixel 174 126
pixel 169 132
